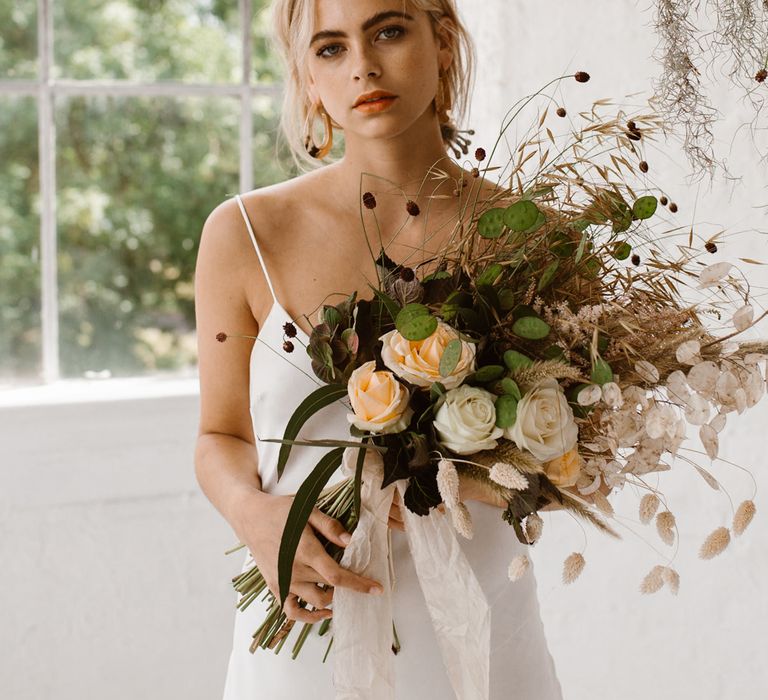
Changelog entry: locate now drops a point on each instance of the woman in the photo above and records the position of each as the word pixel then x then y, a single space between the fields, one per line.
pixel 309 243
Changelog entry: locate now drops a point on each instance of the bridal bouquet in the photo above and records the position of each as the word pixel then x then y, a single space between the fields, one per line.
pixel 556 353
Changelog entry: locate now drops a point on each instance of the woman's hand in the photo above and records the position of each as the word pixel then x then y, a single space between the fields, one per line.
pixel 396 513
pixel 260 528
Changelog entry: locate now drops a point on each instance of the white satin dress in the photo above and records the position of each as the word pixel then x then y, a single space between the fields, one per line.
pixel 521 667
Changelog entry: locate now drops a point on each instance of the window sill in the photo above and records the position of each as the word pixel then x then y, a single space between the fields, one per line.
pixel 76 391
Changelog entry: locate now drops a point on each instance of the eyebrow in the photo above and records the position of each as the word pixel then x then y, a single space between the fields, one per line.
pixel 370 22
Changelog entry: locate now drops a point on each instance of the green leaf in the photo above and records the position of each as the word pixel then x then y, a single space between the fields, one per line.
pixel 645 207
pixel 414 322
pixel 491 223
pixel 582 246
pixel 450 357
pixel 359 479
pixel 509 386
pixel 515 360
pixel 489 275
pixel 601 371
pixel 436 390
pixel 298 516
pixel 506 411
pixel 392 307
pixel 506 299
pixel 437 275
pixel 622 250
pixel 548 274
pixel 521 215
pixel 488 373
pixel 531 328
pixel 319 398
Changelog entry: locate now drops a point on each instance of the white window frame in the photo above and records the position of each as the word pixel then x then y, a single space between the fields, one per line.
pixel 46 89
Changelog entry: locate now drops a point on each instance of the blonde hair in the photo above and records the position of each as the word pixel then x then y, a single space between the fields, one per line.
pixel 292 27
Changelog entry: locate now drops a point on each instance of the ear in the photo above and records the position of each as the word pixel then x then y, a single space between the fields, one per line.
pixel 445 41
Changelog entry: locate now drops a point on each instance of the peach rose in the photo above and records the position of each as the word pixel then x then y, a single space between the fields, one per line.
pixel 380 403
pixel 418 361
pixel 565 469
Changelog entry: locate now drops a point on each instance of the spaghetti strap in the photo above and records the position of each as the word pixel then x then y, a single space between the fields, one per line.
pixel 256 246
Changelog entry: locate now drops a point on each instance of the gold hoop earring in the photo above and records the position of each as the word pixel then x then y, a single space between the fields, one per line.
pixel 314 150
pixel 443 102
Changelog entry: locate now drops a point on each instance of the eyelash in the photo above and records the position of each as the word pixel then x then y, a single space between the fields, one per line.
pixel 401 32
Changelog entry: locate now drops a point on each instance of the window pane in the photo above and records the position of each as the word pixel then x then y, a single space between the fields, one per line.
pixel 136 179
pixel 266 64
pixel 146 40
pixel 269 164
pixel 18 38
pixel 20 331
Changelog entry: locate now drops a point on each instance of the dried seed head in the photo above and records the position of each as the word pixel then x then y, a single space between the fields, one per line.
pixel 561 112
pixel 648 506
pixel 448 482
pixel 480 155
pixel 369 200
pixel 663 201
pixel 462 520
pixel 412 207
pixel 671 578
pixel 714 544
pixel 761 75
pixel 743 516
pixel 534 526
pixel 665 523
pixel 221 337
pixel 634 135
pixel 653 580
pixel 289 329
pixel 572 567
pixel 635 259
pixel 407 274
pixel 518 566
pixel 643 166
pixel 673 207
pixel 581 77
pixel 288 346
pixel 710 247
pixel 475 172
pixel 506 475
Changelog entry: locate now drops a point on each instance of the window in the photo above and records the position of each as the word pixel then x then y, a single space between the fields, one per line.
pixel 123 123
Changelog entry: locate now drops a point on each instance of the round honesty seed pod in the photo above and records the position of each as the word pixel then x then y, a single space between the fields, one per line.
pixel 643 166
pixel 663 201
pixel 561 112
pixel 288 346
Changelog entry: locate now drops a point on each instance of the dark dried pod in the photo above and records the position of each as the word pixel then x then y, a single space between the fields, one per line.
pixel 412 207
pixel 673 207
pixel 643 166
pixel 635 259
pixel 581 77
pixel 288 346
pixel 407 274
pixel 710 247
pixel 561 112
pixel 480 155
pixel 663 201
pixel 369 200
pixel 631 125
pixel 289 329
pixel 634 135
pixel 221 337
pixel 761 75
pixel 475 172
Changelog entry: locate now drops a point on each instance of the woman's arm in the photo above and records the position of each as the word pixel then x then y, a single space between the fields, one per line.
pixel 226 461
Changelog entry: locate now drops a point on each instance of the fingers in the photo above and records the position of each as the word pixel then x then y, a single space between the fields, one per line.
pixel 337 575
pixel 330 527
pixel 313 594
pixel 293 611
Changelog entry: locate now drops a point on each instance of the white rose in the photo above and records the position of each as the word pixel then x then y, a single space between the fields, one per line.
pixel 544 425
pixel 380 403
pixel 466 420
pixel 418 361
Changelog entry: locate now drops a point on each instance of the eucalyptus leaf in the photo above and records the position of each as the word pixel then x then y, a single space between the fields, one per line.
pixel 515 360
pixel 509 386
pixel 548 274
pixel 490 274
pixel 491 223
pixel 530 328
pixel 414 322
pixel 488 373
pixel 601 371
pixel 506 411
pixel 521 215
pixel 450 357
pixel 645 207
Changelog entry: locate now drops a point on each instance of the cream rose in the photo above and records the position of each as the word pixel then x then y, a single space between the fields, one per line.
pixel 466 420
pixel 380 403
pixel 544 425
pixel 418 361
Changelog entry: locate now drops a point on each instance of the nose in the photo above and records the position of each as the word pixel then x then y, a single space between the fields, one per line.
pixel 366 65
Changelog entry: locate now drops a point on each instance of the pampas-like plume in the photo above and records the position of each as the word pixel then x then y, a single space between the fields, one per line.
pixel 518 566
pixel 744 514
pixel 653 580
pixel 665 522
pixel 648 506
pixel 671 578
pixel 533 527
pixel 527 377
pixel 462 520
pixel 506 475
pixel 448 482
pixel 572 567
pixel 575 507
pixel 506 451
pixel 715 543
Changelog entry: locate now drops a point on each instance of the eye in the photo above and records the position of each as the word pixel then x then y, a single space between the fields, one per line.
pixel 322 52
pixel 400 31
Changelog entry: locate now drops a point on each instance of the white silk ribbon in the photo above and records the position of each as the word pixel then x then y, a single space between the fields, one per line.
pixel 362 623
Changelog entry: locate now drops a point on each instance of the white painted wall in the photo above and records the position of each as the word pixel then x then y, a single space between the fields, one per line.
pixel 114 583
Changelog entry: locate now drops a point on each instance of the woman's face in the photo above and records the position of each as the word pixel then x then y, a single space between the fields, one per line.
pixel 363 45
